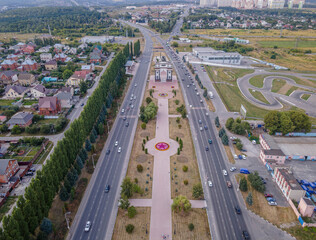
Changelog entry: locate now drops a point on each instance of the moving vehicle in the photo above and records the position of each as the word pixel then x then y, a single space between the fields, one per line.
pixel 108 152
pixel 237 209
pixel 107 189
pixel 119 150
pixel 123 110
pixel 124 118
pixel 245 235
pixel 201 129
pixel 127 124
pixel 244 171
pixel 200 121
pixel 210 141
pixel 205 127
pixel 87 227
pixel 225 172
pixel 82 104
pixel 210 184
pixel 116 143
pixel 206 148
pixel 229 184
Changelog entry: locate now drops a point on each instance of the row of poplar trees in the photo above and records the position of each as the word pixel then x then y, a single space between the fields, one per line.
pixel 38 198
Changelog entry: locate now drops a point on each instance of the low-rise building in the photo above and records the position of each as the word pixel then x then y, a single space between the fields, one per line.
pixel 9 65
pixel 51 65
pixel 46 57
pixel 8 168
pixel 26 79
pixel 66 99
pixel 8 77
pixel 28 65
pixel 273 154
pixel 40 91
pixel 306 207
pixel 15 91
pixel 215 56
pixel 288 184
pixel 49 106
pixel 22 119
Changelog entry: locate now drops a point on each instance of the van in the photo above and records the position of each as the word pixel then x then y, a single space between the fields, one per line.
pixel 244 171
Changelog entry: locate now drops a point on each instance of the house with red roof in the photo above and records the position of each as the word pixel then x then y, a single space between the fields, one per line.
pixel 49 106
pixel 28 65
pixel 9 65
pixel 8 168
pixel 28 49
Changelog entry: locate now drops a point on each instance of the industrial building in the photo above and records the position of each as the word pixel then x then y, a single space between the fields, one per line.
pixel 215 56
pixel 273 4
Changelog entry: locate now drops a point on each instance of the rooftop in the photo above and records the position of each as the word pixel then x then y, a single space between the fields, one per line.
pixel 297 146
pixel 274 152
pixel 270 141
pixel 290 179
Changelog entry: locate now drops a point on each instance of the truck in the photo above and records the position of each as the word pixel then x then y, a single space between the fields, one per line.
pixel 210 94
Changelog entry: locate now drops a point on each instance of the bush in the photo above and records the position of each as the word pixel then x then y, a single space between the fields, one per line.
pixel 229 123
pixel 178 120
pixel 185 168
pixel 129 228
pixel 131 212
pixel 191 226
pixel 46 226
pixel 176 102
pixel 16 129
pixel 143 126
pixel 239 145
pixel 197 191
pixel 243 186
pixel 140 168
pixel 249 199
pixel 186 182
pixel 148 100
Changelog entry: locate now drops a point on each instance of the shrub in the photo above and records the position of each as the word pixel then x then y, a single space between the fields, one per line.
pixel 178 151
pixel 186 182
pixel 129 228
pixel 191 226
pixel 148 100
pixel 197 190
pixel 140 168
pixel 179 126
pixel 243 186
pixel 131 212
pixel 136 180
pixel 176 102
pixel 185 168
pixel 146 150
pixel 178 120
pixel 144 141
pixel 143 126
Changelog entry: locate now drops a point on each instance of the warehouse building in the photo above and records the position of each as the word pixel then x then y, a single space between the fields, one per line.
pixel 216 56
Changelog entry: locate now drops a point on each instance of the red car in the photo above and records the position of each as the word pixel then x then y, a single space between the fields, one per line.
pixel 268 195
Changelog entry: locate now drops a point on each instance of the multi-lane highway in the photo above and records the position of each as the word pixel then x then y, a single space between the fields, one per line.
pixel 225 223
pixel 97 206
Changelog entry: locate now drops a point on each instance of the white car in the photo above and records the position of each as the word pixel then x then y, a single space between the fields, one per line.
pixel 232 169
pixel 243 157
pixel 116 143
pixel 123 110
pixel 235 156
pixel 190 106
pixel 188 85
pixel 119 150
pixel 201 129
pixel 198 93
pixel 87 227
pixel 206 113
pixel 272 203
pixel 201 101
pixel 210 184
pixel 135 85
pixel 225 172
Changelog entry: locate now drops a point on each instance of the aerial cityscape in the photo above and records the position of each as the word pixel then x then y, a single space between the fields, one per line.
pixel 131 120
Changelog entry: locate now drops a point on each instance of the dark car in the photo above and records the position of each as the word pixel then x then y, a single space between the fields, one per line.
pixel 206 149
pixel 270 199
pixel 245 235
pixel 127 124
pixel 237 209
pixel 268 195
pixel 107 188
pixel 205 127
pixel 124 118
pixel 29 174
pixel 108 152
pixel 32 170
pixel 82 104
pixel 263 180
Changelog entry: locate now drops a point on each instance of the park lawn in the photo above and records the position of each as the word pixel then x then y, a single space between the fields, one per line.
pixel 257 81
pixel 6 102
pixel 29 102
pixel 181 221
pixel 5 37
pixel 292 89
pixel 5 208
pixel 288 44
pixel 258 95
pixel 172 105
pixel 300 233
pixel 277 84
pixel 305 96
pixel 274 214
pixel 186 47
pixel 187 157
pixel 141 221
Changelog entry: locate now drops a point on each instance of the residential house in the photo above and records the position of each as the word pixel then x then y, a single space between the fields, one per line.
pixel 49 106
pixel 44 49
pixel 28 49
pixel 67 90
pixel 22 119
pixel 51 65
pixel 83 46
pixel 14 57
pixel 46 57
pixel 77 77
pixel 15 91
pixel 88 67
pixel 62 57
pixel 72 51
pixel 8 77
pixel 8 168
pixel 26 79
pixel 288 184
pixel 9 65
pixel 40 91
pixel 96 55
pixel 28 65
pixel 306 207
pixel 3 118
pixel 66 99
pixel 58 48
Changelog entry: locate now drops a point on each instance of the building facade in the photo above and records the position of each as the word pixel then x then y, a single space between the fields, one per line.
pixel 8 168
pixel 219 57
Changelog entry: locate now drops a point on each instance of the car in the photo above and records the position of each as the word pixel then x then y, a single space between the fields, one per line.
pixel 119 150
pixel 124 118
pixel 243 150
pixel 232 169
pixel 132 106
pixel 271 203
pixel 270 199
pixel 201 101
pixel 188 85
pixel 107 189
pixel 32 169
pixel 243 157
pixel 229 184
pixel 108 152
pixel 131 99
pixel 29 173
pixel 205 127
pixel 200 121
pixel 87 227
pixel 237 209
pixel 116 143
pixel 268 195
pixel 206 113
pixel 239 157
pixel 123 110
pixel 127 124
pixel 135 85
pixel 198 93
pixel 225 172
pixel 210 141
pixel 190 106
pixel 82 104
pixel 134 97
pixel 201 129
pixel 210 184
pixel 206 148
pixel 263 180
pixel 245 235
pixel 235 157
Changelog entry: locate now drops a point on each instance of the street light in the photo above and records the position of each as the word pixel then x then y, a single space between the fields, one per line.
pixel 67 220
pixel 146 229
pixel 93 159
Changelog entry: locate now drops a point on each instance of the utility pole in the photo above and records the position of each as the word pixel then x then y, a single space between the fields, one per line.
pixel 67 219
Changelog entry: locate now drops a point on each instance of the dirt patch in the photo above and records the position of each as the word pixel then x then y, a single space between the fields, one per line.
pixel 172 102
pixel 283 90
pixel 141 158
pixel 145 134
pixel 182 159
pixel 229 154
pixel 178 134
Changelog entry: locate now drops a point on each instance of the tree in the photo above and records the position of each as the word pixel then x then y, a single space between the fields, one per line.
pixel 143 126
pixel 23 228
pixel 239 145
pixel 83 87
pixel 256 182
pixel 286 124
pixel 129 228
pixel 197 191
pixel 127 188
pixel 217 124
pixel 124 203
pixel 238 128
pixel 46 226
pixel 229 123
pixel 100 128
pixel 16 129
pixel 63 194
pixel 139 168
pixel 45 129
pixel 221 132
pixel 131 212
pixel 42 236
pixel 67 74
pixel 249 199
pixel 185 168
pixel 148 100
pixel 272 121
pixel 300 121
pixel 225 140
pixel 88 145
pixel 243 186
pixel 92 138
pixel 191 226
pixel 175 44
pixel 181 204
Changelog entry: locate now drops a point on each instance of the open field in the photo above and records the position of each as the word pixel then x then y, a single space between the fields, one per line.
pixel 180 224
pixel 5 37
pixel 274 214
pixel 141 221
pixel 302 233
pixel 292 89
pixel 257 81
pixel 277 84
pixel 186 158
pixel 289 44
pixel 258 95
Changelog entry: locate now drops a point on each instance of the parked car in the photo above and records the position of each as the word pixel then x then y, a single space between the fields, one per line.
pixel 32 169
pixel 81 104
pixel 87 227
pixel 229 184
pixel 263 180
pixel 243 157
pixel 232 169
pixel 29 173
pixel 235 157
pixel 210 184
pixel 272 203
pixel 240 157
pixel 237 209
pixel 270 199
pixel 268 195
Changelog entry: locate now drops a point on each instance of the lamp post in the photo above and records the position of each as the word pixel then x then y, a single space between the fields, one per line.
pixel 67 220
pixel 93 159
pixel 146 229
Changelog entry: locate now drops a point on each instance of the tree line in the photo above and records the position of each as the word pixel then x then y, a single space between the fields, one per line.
pixel 62 169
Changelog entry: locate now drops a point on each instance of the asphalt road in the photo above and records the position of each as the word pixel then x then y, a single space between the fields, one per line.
pixel 98 206
pixel 221 200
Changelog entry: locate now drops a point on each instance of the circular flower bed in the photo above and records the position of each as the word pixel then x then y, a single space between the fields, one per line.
pixel 162 146
pixel 163 94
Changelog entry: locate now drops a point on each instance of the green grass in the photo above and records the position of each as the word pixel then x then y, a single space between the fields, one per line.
pixel 41 158
pixel 306 96
pixel 292 89
pixel 257 81
pixel 7 206
pixel 302 233
pixel 5 102
pixel 29 102
pixel 288 44
pixel 277 84
pixel 258 95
